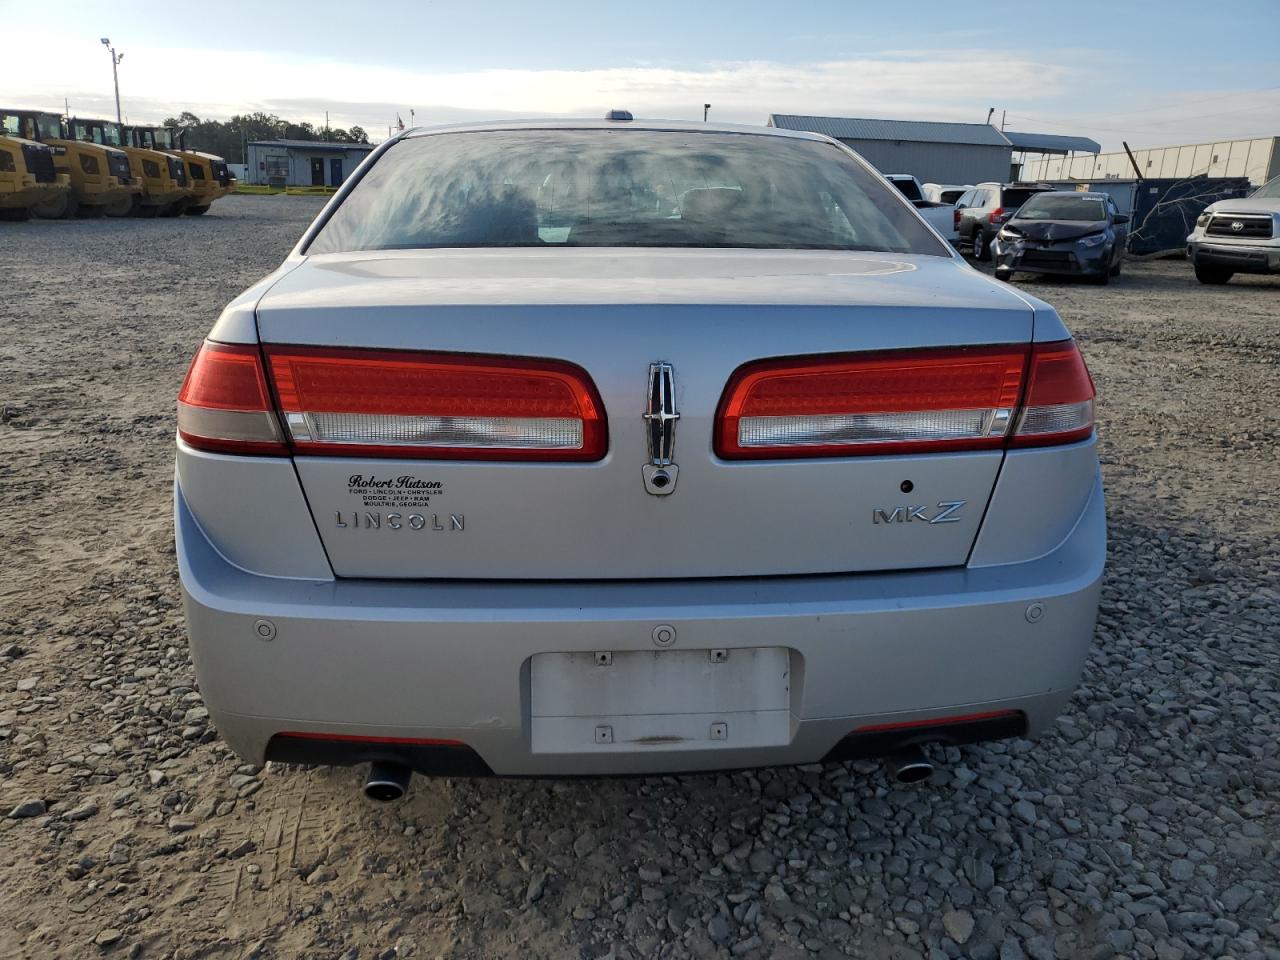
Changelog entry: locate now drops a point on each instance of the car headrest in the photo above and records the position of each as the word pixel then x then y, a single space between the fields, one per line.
pixel 712 204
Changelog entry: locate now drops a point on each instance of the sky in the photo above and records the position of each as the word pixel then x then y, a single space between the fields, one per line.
pixel 1152 72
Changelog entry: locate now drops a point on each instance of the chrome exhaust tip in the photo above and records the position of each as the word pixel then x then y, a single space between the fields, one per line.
pixel 387 782
pixel 910 765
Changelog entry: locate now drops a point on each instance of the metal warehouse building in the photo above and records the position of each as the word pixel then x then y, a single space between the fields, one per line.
pixel 1258 159
pixel 935 152
pixel 302 163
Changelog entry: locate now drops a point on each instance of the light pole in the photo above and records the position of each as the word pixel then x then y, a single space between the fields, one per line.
pixel 706 108
pixel 115 75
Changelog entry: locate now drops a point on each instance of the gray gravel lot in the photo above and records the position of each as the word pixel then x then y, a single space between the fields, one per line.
pixel 1146 825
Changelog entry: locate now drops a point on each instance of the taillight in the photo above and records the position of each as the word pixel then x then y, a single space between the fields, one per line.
pixel 435 405
pixel 905 401
pixel 955 220
pixel 1059 403
pixel 224 404
pixel 996 216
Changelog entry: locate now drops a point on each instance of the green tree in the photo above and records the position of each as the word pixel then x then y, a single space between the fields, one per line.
pixel 228 138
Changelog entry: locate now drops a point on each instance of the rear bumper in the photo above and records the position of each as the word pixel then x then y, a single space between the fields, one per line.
pixel 451 660
pixel 29 192
pixel 163 196
pixel 108 191
pixel 1260 257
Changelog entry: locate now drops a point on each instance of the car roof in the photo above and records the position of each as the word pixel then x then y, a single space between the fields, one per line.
pixel 1018 185
pixel 687 126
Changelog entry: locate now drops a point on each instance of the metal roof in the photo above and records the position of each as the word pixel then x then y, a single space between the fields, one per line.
pixel 680 126
pixel 918 131
pixel 1051 143
pixel 317 146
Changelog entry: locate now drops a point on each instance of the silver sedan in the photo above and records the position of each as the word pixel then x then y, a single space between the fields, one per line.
pixel 619 447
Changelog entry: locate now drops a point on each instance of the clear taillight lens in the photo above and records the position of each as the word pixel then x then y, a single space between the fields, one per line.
pixel 224 404
pixel 907 401
pixel 1059 404
pixel 428 405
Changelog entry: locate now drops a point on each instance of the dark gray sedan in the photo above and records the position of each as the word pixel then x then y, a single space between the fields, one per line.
pixel 1077 234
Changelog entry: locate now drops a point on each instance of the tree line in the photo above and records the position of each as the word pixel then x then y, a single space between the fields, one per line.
pixel 227 138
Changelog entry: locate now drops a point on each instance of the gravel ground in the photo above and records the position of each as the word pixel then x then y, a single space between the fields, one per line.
pixel 1146 825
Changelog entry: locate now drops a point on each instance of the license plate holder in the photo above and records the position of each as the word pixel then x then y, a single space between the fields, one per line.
pixel 634 700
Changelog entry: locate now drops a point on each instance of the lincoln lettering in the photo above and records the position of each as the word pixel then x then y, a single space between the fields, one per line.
pixel 376 520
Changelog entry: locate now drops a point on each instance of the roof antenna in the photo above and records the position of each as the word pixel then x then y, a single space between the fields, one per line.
pixel 990 113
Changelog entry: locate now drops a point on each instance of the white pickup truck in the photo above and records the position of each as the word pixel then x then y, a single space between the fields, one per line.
pixel 941 216
pixel 1238 236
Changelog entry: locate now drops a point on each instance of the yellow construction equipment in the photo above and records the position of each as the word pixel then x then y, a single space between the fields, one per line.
pixel 166 186
pixel 207 174
pixel 225 182
pixel 28 178
pixel 100 178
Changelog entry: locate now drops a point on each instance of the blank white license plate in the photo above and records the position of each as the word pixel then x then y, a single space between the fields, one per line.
pixel 625 701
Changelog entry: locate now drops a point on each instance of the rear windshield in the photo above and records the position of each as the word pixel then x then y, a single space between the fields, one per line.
pixel 950 196
pixel 621 188
pixel 908 189
pixel 1012 198
pixel 1063 206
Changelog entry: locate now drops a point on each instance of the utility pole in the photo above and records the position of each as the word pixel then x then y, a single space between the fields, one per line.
pixel 115 74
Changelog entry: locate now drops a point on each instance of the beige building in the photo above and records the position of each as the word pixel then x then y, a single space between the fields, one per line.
pixel 1258 159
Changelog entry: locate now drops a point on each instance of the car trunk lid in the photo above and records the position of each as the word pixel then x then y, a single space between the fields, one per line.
pixel 615 314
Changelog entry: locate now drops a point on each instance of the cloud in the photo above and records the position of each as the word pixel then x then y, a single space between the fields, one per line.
pixel 160 82
pixel 1065 91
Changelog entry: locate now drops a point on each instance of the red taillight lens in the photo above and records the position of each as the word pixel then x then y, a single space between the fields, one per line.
pixel 955 220
pixel 906 401
pixel 996 216
pixel 426 405
pixel 1059 404
pixel 224 404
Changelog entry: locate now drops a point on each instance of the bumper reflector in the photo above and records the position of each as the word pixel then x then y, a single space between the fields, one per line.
pixel 937 721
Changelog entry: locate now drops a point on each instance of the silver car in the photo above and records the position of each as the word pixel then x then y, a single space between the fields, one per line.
pixel 618 447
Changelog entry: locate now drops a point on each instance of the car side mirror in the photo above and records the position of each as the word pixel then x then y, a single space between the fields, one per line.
pixel 1119 219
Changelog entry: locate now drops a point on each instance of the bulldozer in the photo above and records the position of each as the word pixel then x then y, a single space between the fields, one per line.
pixel 99 178
pixel 166 188
pixel 208 175
pixel 27 174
